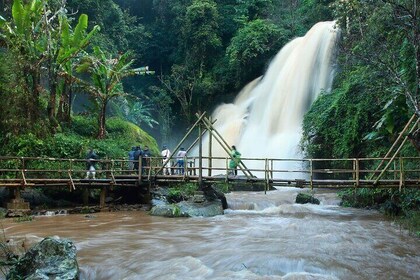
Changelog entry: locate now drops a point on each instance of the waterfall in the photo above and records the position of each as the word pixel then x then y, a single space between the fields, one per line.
pixel 265 120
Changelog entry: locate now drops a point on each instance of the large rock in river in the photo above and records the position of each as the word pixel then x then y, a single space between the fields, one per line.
pixel 188 209
pixel 205 203
pixel 303 198
pixel 52 258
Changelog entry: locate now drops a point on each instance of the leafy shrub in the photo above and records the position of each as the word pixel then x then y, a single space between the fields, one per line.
pixel 181 192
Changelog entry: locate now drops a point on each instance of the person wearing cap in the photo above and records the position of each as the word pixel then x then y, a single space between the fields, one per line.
pixel 166 153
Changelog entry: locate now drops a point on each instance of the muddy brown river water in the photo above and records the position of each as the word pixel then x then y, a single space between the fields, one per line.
pixel 259 237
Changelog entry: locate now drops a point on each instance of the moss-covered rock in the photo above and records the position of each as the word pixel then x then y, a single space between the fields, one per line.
pixel 303 198
pixel 50 259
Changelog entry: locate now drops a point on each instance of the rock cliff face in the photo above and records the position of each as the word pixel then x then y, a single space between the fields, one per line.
pixel 52 258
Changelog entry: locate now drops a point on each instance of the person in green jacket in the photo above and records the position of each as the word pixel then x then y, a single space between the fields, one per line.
pixel 234 161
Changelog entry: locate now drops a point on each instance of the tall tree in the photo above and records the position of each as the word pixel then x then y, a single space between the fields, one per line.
pixel 105 80
pixel 41 39
pixel 384 36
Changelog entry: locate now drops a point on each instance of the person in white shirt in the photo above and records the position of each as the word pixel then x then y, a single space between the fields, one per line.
pixel 180 160
pixel 166 153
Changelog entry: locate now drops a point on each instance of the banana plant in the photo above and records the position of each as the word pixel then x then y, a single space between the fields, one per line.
pixel 105 80
pixel 70 45
pixel 41 39
pixel 23 36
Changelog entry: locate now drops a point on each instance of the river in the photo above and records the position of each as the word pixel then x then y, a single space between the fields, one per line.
pixel 259 237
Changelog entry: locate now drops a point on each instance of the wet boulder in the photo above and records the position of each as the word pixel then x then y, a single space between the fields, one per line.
pixel 303 198
pixel 205 203
pixel 188 209
pixel 167 210
pixel 52 258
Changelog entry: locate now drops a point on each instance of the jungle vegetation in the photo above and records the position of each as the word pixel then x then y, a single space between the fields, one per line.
pixel 68 66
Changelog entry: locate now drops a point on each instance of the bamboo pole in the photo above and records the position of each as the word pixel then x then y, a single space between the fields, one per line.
pixel 200 117
pixel 210 152
pixel 401 174
pixel 398 150
pixel 311 177
pixel 226 147
pixel 200 158
pixel 394 144
pixel 266 174
pixel 71 181
pixel 357 168
pixel 140 167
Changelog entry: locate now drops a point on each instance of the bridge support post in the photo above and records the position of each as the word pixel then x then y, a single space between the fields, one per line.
pixel 102 197
pixel 17 206
pixel 85 196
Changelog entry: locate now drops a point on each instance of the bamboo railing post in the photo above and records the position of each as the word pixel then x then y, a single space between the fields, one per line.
pixel 210 152
pixel 227 170
pixel 200 157
pixel 23 171
pixel 357 170
pixel 311 177
pixel 140 168
pixel 402 179
pixel 266 174
pixel 272 169
pixel 112 172
pixel 395 170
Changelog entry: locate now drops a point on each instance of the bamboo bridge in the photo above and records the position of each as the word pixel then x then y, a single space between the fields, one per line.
pixel 19 173
pixel 393 171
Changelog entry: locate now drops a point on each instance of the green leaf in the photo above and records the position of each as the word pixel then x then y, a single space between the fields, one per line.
pixel 18 15
pixel 80 29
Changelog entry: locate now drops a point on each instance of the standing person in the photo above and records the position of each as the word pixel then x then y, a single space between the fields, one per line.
pixel 90 164
pixel 146 158
pixel 131 158
pixel 234 161
pixel 166 153
pixel 137 155
pixel 180 160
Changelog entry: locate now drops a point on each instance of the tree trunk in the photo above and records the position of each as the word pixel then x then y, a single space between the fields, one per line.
pixel 101 120
pixel 64 108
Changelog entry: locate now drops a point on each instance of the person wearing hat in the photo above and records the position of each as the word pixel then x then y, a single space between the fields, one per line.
pixel 166 153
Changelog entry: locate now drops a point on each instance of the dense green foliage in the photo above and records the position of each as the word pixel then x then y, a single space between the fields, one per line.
pixel 203 52
pixel 65 67
pixel 375 93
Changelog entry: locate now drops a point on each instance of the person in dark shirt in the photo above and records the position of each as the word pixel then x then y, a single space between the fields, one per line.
pixel 137 154
pixel 146 155
pixel 91 164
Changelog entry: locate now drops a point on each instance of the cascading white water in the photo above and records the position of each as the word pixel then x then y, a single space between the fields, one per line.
pixel 265 119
